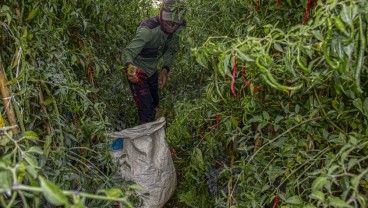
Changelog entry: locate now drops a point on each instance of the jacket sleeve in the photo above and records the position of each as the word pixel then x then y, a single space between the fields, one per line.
pixel 173 47
pixel 136 45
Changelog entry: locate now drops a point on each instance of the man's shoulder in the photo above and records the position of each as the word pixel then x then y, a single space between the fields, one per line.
pixel 150 23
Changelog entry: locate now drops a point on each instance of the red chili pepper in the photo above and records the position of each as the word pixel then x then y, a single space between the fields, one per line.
pixel 217 124
pixel 140 76
pixel 274 52
pixel 200 133
pixel 219 163
pixel 271 128
pixel 307 11
pixel 217 119
pixel 231 197
pixel 233 77
pixel 244 72
pixel 275 201
pixel 278 3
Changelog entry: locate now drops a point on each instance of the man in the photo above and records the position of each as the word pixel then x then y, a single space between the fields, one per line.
pixel 155 38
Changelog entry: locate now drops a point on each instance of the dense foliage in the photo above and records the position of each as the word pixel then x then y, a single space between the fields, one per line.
pixel 283 120
pixel 266 104
pixel 55 58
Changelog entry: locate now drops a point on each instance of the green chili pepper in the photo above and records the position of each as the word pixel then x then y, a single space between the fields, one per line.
pixel 270 80
pixel 351 37
pixel 258 62
pixel 300 62
pixel 327 40
pixel 360 61
pixel 279 86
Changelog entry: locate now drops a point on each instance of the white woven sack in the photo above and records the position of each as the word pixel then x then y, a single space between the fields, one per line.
pixel 146 160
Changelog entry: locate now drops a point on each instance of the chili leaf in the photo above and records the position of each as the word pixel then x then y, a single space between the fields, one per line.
pixel 113 192
pixel 319 183
pixel 318 195
pixel 337 202
pixel 295 200
pixel 5 178
pixel 52 193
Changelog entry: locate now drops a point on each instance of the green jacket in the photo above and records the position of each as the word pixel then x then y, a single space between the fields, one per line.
pixel 149 45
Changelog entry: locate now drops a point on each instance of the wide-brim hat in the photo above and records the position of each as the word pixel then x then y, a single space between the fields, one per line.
pixel 172 11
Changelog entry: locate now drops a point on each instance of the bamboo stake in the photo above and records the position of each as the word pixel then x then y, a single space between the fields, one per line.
pixel 7 102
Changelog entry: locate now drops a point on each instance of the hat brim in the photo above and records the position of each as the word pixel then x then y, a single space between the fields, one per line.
pixel 172 17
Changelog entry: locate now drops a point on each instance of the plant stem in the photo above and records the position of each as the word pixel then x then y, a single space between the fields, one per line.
pixel 69 193
pixel 12 200
pixel 279 136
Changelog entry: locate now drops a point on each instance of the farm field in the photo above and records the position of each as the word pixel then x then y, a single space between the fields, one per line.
pixel 266 103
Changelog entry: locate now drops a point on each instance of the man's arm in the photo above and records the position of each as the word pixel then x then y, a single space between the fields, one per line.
pixel 136 45
pixel 173 47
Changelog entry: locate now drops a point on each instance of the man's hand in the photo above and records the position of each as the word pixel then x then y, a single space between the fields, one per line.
pixel 132 74
pixel 162 79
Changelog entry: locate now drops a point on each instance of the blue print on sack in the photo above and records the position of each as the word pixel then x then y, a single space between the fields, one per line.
pixel 118 144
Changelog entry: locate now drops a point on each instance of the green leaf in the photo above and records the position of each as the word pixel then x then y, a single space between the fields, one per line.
pixel 52 193
pixel 353 140
pixel 32 14
pixel 35 149
pixel 352 162
pixel 234 121
pixel 8 18
pixel 31 170
pixel 225 63
pixel 337 202
pixel 358 104
pixel 365 106
pixel 31 160
pixel 318 195
pixel 255 119
pixel 297 108
pixel 295 200
pixel 266 116
pixel 278 47
pixel 278 119
pixel 345 14
pixel 319 183
pixel 113 192
pixel 48 101
pixel 4 8
pixel 309 206
pixel 265 188
pixel 317 34
pixel 30 135
pixel 5 185
pixel 298 118
pixel 199 158
pixel 332 3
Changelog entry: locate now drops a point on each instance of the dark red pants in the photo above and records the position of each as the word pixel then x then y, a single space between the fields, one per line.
pixel 146 98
